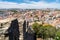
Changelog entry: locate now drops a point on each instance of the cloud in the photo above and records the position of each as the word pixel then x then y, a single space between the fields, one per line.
pixel 32 5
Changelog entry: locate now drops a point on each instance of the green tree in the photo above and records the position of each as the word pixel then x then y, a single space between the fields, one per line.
pixel 44 31
pixel 58 34
pixel 49 31
pixel 36 28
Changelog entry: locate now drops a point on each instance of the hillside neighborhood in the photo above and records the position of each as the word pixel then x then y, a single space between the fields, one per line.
pixel 46 16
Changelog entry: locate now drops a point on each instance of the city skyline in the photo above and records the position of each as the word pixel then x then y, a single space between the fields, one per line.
pixel 30 4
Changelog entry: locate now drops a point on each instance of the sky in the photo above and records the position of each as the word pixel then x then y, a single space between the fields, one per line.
pixel 30 4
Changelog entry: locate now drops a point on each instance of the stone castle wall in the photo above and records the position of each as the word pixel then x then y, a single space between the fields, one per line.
pixel 7 29
pixel 5 26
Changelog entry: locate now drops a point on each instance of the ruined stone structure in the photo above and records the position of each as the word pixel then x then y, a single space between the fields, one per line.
pixel 28 34
pixel 16 30
pixel 8 26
